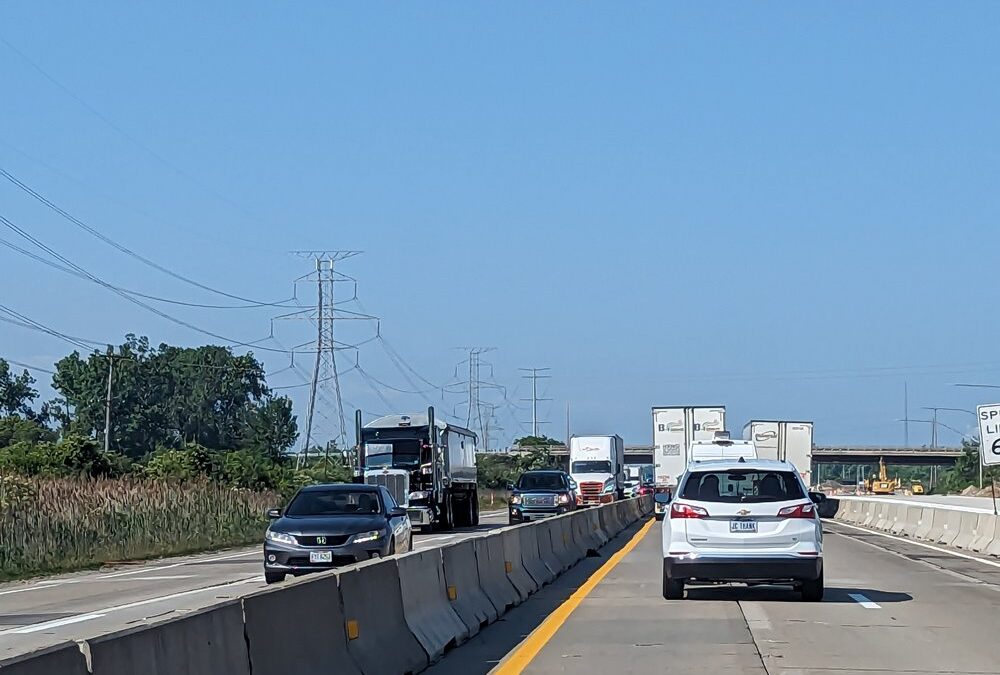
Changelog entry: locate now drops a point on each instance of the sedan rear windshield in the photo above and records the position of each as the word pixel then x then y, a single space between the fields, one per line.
pixel 334 503
pixel 541 481
pixel 742 486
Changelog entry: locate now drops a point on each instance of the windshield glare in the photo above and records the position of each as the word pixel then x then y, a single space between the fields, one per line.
pixel 591 466
pixel 742 486
pixel 541 481
pixel 334 503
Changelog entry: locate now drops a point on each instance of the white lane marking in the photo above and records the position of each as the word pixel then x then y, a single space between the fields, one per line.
pixel 37 587
pixel 863 601
pixel 117 608
pixel 920 543
pixel 38 627
pixel 146 570
pixel 165 577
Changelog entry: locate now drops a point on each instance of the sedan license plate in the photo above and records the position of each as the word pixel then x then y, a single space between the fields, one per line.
pixel 320 556
pixel 742 525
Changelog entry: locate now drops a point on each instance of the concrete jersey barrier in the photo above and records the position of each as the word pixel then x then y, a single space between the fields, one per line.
pixel 426 605
pixel 465 588
pixel 966 528
pixel 63 659
pixel 514 565
pixel 532 557
pixel 298 628
pixel 206 642
pixel 493 573
pixel 378 638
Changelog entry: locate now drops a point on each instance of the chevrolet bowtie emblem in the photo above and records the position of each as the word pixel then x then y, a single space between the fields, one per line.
pixel 320 540
pixel 743 512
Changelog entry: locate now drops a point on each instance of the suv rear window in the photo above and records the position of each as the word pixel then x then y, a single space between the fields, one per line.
pixel 742 486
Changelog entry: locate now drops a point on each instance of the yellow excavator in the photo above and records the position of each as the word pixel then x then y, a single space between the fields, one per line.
pixel 882 484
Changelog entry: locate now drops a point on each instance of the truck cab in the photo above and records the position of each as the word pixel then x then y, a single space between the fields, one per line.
pixel 597 464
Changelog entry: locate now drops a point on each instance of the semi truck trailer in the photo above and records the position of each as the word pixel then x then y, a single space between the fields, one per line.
pixel 675 428
pixel 428 466
pixel 784 441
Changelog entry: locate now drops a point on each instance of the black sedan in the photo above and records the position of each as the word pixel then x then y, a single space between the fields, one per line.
pixel 325 526
pixel 540 494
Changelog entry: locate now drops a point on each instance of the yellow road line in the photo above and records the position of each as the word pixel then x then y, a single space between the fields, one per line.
pixel 540 637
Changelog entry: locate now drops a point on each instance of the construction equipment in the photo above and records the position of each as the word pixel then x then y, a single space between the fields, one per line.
pixel 916 487
pixel 881 484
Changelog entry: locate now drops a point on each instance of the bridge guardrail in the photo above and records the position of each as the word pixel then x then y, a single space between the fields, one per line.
pixel 396 615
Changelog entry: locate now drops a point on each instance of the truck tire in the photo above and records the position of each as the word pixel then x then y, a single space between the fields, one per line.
pixel 463 513
pixel 446 519
pixel 475 508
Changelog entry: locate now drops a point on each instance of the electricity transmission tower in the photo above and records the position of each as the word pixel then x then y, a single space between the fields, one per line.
pixel 535 377
pixel 473 386
pixel 326 314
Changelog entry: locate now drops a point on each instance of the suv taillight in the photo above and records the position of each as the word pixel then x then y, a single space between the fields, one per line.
pixel 800 511
pixel 687 511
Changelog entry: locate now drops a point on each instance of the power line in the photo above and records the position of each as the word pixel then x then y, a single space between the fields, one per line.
pixel 120 247
pixel 129 137
pixel 28 366
pixel 92 277
pixel 25 252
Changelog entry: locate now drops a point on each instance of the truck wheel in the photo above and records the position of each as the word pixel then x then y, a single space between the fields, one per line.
pixel 475 509
pixel 447 518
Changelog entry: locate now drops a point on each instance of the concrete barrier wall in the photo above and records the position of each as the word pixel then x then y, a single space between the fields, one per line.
pixel 282 640
pixel 206 642
pixel 466 590
pixel 426 605
pixel 64 659
pixel 382 617
pixel 378 637
pixel 960 527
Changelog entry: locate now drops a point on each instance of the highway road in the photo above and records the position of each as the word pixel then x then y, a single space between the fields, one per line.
pixel 892 606
pixel 87 604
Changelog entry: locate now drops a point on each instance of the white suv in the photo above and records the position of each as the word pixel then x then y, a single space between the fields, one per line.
pixel 749 521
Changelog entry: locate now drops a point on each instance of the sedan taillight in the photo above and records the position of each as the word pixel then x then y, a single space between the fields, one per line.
pixel 799 511
pixel 687 511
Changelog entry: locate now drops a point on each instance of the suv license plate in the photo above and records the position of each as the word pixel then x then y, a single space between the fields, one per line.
pixel 742 525
pixel 320 556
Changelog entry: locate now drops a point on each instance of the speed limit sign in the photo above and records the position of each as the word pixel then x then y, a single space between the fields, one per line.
pixel 989 433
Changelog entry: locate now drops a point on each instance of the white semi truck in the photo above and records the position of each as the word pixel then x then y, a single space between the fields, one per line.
pixel 675 428
pixel 785 441
pixel 428 466
pixel 597 464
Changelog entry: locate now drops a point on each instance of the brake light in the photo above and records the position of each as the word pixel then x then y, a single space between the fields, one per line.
pixel 799 511
pixel 687 511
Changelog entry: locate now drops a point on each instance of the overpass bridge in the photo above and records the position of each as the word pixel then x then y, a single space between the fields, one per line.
pixel 822 454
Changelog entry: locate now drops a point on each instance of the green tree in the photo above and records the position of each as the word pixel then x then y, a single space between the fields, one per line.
pixel 16 392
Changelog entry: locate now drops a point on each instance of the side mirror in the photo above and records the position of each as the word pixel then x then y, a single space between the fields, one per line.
pixel 273 514
pixel 510 487
pixel 661 498
pixel 397 512
pixel 817 497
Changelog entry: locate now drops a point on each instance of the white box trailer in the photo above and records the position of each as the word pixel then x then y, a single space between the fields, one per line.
pixel 785 441
pixel 674 430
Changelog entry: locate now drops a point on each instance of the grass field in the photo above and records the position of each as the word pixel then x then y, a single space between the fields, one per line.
pixel 58 525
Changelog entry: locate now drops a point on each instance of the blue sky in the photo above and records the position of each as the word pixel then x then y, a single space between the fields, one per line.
pixel 788 209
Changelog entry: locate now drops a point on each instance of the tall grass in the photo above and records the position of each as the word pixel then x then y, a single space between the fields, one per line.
pixel 54 525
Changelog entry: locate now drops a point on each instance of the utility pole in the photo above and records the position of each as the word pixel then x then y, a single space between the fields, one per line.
pixel 534 377
pixel 107 403
pixel 906 415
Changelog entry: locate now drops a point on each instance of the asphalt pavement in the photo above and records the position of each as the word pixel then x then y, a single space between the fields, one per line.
pixel 47 611
pixel 892 606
